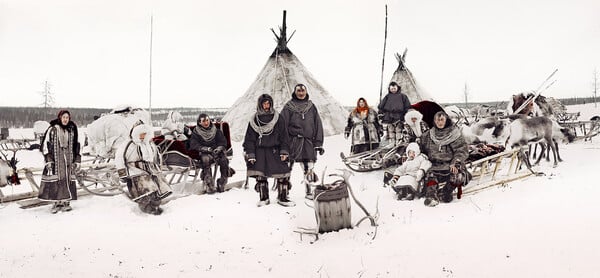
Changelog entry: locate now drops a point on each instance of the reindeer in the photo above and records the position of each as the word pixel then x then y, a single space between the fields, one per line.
pixel 8 170
pixel 524 130
pixel 541 106
pixel 487 130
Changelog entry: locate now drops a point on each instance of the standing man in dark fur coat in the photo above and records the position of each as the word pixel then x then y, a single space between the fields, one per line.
pixel 393 107
pixel 266 152
pixel 305 131
pixel 60 147
pixel 211 144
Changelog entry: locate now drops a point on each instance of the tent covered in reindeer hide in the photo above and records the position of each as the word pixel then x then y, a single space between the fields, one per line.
pixel 278 77
pixel 405 79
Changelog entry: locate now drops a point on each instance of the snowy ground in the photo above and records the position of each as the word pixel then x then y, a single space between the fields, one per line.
pixel 536 227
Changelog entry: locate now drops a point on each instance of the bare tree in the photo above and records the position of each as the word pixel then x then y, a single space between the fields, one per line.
pixel 47 95
pixel 466 94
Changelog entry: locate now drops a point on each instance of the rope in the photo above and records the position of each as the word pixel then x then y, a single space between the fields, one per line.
pixel 287 85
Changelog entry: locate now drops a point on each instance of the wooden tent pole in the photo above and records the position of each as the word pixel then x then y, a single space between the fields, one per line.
pixel 536 94
pixel 383 60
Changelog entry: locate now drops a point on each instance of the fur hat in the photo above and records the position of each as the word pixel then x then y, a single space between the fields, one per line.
pixel 264 97
pixel 413 147
pixel 413 114
pixel 138 129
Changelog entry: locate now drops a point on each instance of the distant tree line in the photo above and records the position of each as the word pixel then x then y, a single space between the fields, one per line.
pixel 24 117
pixel 503 104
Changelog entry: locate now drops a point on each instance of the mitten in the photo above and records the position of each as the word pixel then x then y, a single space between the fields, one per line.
pixel 206 149
pixel 251 158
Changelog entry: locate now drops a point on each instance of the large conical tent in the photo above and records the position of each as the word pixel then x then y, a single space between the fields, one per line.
pixel 408 85
pixel 278 77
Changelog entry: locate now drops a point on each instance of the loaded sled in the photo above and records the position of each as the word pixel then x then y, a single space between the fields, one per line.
pixel 179 162
pixel 99 176
pixel 380 158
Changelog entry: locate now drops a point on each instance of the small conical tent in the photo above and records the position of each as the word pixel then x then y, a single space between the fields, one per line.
pixel 278 77
pixel 405 79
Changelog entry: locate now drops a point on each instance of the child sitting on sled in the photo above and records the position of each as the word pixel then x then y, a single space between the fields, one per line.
pixel 408 175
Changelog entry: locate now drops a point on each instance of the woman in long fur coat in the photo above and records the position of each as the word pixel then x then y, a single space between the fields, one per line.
pixel 364 128
pixel 60 147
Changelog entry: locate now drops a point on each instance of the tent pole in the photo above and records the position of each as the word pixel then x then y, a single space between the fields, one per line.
pixel 383 60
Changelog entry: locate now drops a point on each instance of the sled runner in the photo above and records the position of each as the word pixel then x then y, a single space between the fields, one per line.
pixel 179 162
pixel 98 175
pixel 379 158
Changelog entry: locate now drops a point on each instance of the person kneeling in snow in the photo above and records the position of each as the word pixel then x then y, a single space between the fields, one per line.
pixel 138 163
pixel 447 151
pixel 408 175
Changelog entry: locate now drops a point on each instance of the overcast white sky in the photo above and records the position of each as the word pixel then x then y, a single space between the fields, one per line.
pixel 207 53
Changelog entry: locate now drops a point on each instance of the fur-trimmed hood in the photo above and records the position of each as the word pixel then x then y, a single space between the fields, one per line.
pixel 413 114
pixel 139 129
pixel 262 98
pixel 413 147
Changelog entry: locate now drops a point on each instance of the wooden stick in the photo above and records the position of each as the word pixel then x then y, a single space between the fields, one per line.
pixel 383 60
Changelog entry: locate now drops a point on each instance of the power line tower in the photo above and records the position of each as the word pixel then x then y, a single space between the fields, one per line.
pixel 47 95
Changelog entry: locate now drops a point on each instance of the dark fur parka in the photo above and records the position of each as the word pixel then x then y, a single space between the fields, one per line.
pixel 58 177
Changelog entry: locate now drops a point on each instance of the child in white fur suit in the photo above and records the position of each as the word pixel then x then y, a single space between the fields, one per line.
pixel 408 175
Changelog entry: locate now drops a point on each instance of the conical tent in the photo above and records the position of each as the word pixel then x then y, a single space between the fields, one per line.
pixel 278 77
pixel 405 79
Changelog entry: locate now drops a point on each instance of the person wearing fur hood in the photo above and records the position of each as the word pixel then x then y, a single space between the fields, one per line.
pixel 305 133
pixel 414 126
pixel 393 107
pixel 266 150
pixel 448 151
pixel 364 127
pixel 408 175
pixel 60 147
pixel 138 162
pixel 173 128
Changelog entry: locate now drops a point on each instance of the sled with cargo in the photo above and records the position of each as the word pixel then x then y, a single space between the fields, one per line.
pixel 98 174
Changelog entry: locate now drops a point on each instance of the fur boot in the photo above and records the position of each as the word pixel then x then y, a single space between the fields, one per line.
pixel 221 182
pixel 208 181
pixel 283 188
pixel 431 198
pixel 262 187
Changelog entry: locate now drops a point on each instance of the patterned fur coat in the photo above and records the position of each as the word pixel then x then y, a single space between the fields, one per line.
pixel 60 148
